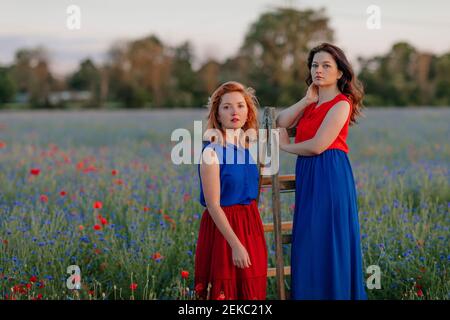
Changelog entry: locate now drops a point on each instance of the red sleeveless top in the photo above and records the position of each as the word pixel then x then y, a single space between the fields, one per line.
pixel 312 118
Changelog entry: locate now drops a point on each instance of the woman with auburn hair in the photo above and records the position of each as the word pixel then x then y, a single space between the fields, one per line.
pixel 326 258
pixel 231 253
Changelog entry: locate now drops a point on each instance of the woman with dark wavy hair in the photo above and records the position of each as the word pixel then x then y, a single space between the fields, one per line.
pixel 326 258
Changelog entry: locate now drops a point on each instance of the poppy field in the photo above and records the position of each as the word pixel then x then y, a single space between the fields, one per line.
pixel 98 190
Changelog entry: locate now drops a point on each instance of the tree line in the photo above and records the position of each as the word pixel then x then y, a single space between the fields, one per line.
pixel 147 73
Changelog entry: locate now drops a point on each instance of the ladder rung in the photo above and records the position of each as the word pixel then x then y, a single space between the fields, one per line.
pixel 267 180
pixel 287 182
pixel 285 226
pixel 272 272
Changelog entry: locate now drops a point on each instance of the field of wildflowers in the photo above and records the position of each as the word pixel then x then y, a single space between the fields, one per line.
pixel 99 190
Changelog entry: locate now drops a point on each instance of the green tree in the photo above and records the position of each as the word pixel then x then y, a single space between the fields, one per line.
pixel 406 77
pixel 139 72
pixel 208 79
pixel 32 75
pixel 7 86
pixel 441 88
pixel 275 52
pixel 183 77
pixel 87 78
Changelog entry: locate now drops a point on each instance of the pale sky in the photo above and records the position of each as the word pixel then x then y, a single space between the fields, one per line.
pixel 215 28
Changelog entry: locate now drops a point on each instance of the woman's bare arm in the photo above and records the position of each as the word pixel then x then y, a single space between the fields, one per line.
pixel 290 116
pixel 328 131
pixel 210 175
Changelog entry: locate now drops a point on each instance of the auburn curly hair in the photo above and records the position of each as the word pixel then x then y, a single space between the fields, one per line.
pixel 250 100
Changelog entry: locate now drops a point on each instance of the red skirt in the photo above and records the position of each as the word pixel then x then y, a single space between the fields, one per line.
pixel 216 277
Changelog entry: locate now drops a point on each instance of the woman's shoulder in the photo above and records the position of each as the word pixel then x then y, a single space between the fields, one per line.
pixel 211 144
pixel 340 101
pixel 341 107
pixel 215 146
pixel 343 97
pixel 213 151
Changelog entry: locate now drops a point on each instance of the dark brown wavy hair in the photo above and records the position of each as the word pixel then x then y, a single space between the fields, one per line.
pixel 348 84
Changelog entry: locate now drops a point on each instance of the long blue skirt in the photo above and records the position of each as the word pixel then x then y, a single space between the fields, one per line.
pixel 326 258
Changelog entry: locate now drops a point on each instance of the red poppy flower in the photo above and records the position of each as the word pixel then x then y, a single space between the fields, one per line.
pixel 114 172
pixel 80 227
pixel 146 209
pixel 39 296
pixel 133 286
pixel 35 171
pixel 2 144
pixel 103 221
pixel 169 219
pixel 91 168
pixel 419 293
pixel 63 193
pixel 98 205
pixel 43 198
pixel 33 279
pixel 157 256
pixel 184 274
pixel 97 227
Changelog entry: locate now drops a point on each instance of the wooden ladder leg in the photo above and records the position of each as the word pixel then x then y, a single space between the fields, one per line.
pixel 276 215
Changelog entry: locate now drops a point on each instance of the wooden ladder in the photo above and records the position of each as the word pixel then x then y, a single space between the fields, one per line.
pixel 279 184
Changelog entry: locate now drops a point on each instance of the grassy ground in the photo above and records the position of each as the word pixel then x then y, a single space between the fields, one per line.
pixel 149 216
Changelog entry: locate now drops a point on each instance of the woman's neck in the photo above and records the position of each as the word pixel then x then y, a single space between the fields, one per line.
pixel 327 94
pixel 234 137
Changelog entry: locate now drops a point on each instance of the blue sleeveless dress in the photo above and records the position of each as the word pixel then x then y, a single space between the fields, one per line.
pixel 216 277
pixel 239 175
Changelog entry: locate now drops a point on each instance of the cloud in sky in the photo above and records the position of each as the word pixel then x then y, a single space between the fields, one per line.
pixel 215 28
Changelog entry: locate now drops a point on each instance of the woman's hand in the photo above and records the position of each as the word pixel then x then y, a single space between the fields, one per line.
pixel 284 137
pixel 312 94
pixel 241 259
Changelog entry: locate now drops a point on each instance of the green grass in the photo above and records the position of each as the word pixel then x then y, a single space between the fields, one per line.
pixel 400 159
